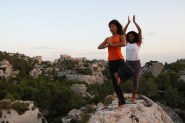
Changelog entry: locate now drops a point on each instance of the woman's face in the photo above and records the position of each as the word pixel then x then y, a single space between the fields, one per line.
pixel 113 29
pixel 131 37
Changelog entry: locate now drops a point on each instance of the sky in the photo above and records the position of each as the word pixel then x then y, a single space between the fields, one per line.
pixel 49 28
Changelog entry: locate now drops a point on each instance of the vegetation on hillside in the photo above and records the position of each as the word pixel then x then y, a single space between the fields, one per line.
pixel 56 97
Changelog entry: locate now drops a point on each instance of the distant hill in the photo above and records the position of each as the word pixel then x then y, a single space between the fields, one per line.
pixel 56 87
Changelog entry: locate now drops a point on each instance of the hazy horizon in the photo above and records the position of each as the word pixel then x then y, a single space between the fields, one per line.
pixel 52 60
pixel 50 28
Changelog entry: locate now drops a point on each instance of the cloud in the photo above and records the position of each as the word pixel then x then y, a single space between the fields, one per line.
pixel 42 48
pixel 151 34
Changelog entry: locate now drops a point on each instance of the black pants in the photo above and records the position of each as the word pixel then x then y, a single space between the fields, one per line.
pixel 124 71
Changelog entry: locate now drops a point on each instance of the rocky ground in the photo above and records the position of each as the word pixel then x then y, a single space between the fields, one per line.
pixel 174 116
pixel 143 110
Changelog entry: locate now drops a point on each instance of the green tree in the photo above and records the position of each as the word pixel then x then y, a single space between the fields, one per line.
pixel 148 87
pixel 163 81
pixel 173 97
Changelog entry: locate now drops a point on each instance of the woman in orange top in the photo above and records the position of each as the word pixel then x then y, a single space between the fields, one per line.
pixel 117 66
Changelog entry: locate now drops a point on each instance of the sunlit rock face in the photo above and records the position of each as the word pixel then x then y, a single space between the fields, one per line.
pixel 144 110
pixel 20 112
pixel 153 67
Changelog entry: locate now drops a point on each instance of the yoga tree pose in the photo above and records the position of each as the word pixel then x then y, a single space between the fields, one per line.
pixel 133 45
pixel 118 69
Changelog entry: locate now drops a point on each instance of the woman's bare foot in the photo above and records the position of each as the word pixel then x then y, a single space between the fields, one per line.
pixel 119 107
pixel 133 99
pixel 134 94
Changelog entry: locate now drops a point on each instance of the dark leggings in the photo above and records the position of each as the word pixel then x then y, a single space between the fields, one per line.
pixel 136 66
pixel 124 71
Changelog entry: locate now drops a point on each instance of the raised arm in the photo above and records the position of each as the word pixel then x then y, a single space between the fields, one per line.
pixel 122 43
pixel 139 30
pixel 103 45
pixel 126 26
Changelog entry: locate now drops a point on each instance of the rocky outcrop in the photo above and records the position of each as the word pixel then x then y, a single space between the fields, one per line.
pixel 81 89
pixel 65 57
pixel 6 69
pixel 89 79
pixel 1 73
pixel 182 75
pixel 73 114
pixel 174 116
pixel 20 112
pixel 143 110
pixel 153 67
pixel 35 72
pixel 92 68
pixel 38 59
pixel 5 64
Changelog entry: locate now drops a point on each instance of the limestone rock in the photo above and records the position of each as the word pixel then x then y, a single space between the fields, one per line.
pixel 89 79
pixel 154 67
pixel 38 59
pixel 79 88
pixel 143 111
pixel 65 57
pixel 35 72
pixel 182 75
pixel 174 116
pixel 10 115
pixel 95 66
pixel 1 73
pixel 132 113
pixel 100 106
pixel 5 64
pixel 7 69
pixel 73 114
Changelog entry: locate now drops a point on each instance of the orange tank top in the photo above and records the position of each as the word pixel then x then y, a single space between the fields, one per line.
pixel 114 53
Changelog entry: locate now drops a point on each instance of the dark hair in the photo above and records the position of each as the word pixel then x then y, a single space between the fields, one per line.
pixel 118 25
pixel 136 37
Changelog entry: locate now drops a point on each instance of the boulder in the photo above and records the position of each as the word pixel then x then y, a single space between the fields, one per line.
pixel 79 88
pixel 100 106
pixel 153 67
pixel 35 72
pixel 143 110
pixel 174 116
pixel 5 64
pixel 38 59
pixel 182 75
pixel 89 79
pixel 20 112
pixel 73 114
pixel 1 73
